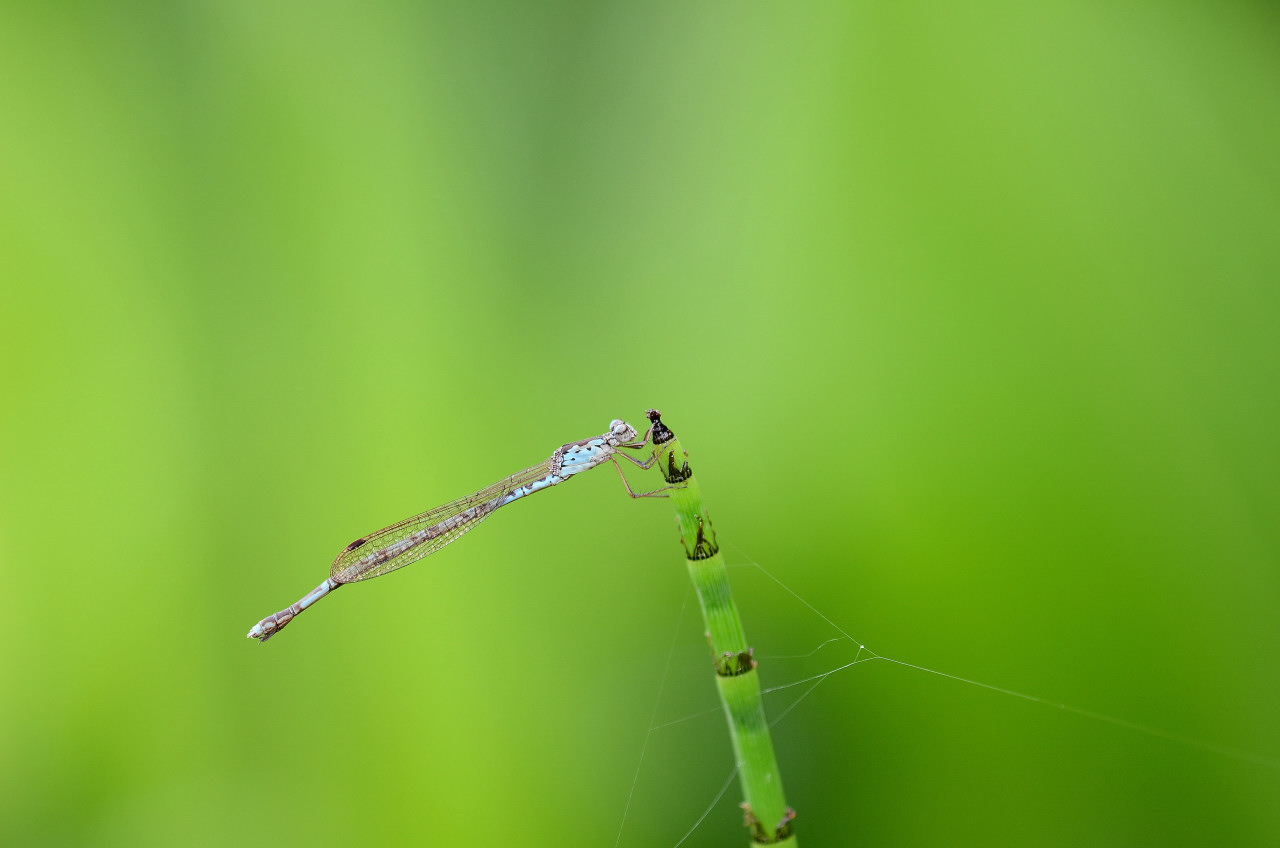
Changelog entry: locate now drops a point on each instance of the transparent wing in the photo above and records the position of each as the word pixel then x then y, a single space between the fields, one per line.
pixel 410 540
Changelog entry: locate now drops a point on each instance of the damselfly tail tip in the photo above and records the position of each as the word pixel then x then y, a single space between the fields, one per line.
pixel 262 633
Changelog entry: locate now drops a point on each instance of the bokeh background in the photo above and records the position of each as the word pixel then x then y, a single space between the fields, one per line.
pixel 968 316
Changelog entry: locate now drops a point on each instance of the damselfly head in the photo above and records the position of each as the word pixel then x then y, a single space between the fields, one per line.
pixel 620 432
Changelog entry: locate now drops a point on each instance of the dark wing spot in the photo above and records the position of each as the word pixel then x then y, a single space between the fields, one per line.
pixel 357 543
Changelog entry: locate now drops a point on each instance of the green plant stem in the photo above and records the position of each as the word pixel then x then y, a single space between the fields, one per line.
pixel 737 674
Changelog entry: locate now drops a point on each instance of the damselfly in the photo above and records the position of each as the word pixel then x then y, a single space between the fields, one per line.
pixel 414 538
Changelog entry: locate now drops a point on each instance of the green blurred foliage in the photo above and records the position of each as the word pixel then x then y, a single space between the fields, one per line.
pixel 969 314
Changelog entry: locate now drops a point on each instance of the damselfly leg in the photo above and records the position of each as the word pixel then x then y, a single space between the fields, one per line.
pixel 642 464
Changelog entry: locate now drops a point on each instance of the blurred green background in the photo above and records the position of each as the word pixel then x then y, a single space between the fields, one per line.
pixel 969 317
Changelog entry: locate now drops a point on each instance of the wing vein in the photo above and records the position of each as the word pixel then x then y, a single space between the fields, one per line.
pixel 410 540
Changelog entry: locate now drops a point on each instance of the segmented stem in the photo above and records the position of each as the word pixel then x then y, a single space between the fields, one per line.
pixel 737 672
